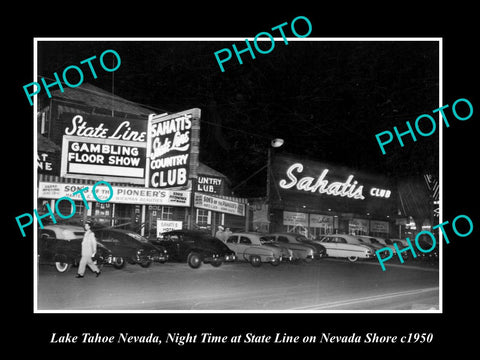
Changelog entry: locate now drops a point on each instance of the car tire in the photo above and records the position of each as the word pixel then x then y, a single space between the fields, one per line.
pixel 118 262
pixel 62 267
pixel 145 263
pixel 255 260
pixel 194 260
pixel 352 258
pixel 275 262
pixel 216 263
pixel 307 260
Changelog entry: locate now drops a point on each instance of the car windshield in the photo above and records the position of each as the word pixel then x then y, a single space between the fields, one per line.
pixel 375 241
pixel 389 242
pixel 425 244
pixel 301 238
pixel 137 237
pixel 265 240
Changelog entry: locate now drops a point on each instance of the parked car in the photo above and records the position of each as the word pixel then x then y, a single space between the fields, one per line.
pixel 430 253
pixel 390 244
pixel 377 245
pixel 401 244
pixel 300 252
pixel 194 247
pixel 297 240
pixel 61 245
pixel 347 246
pixel 257 249
pixel 128 246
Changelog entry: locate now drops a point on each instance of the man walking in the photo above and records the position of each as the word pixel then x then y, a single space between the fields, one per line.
pixel 89 248
pixel 220 234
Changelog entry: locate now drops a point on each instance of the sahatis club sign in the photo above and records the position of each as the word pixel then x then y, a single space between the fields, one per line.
pixel 172 147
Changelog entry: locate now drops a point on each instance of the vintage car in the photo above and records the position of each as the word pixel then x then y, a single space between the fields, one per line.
pixel 425 249
pixel 194 247
pixel 61 245
pixel 377 245
pixel 388 243
pixel 347 246
pixel 256 249
pixel 295 240
pixel 402 244
pixel 128 246
pixel 425 242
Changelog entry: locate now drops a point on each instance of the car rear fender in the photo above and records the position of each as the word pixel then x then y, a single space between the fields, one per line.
pixel 303 249
pixel 202 252
pixel 62 258
pixel 365 248
pixel 258 250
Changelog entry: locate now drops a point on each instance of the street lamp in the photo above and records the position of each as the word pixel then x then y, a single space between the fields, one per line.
pixel 276 143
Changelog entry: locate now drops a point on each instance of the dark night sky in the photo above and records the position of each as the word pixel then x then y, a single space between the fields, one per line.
pixel 327 100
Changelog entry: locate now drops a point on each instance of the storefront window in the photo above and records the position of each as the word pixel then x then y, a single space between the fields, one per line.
pixel 358 227
pixel 318 232
pixel 166 213
pixel 102 213
pixel 203 217
pixel 297 229
pixel 65 208
pixel 379 228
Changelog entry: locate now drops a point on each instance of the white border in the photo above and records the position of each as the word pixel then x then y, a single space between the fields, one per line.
pixel 223 39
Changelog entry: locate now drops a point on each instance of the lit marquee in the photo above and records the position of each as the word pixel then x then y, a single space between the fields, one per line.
pixel 321 185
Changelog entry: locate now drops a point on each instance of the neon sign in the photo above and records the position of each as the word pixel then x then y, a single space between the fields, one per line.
pixel 321 185
pixel 380 192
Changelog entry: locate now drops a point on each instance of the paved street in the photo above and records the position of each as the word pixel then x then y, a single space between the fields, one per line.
pixel 327 284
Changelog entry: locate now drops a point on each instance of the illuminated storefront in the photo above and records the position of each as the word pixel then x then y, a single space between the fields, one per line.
pixel 151 162
pixel 316 198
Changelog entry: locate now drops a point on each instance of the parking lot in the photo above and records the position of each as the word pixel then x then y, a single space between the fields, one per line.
pixel 325 285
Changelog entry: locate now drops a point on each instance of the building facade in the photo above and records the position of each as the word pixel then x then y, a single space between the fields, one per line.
pixel 86 135
pixel 316 198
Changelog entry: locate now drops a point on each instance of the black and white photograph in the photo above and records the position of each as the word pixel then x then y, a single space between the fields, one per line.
pixel 281 180
pixel 262 187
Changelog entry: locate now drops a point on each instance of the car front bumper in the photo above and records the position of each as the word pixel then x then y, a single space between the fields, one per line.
pixel 159 258
pixel 225 258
